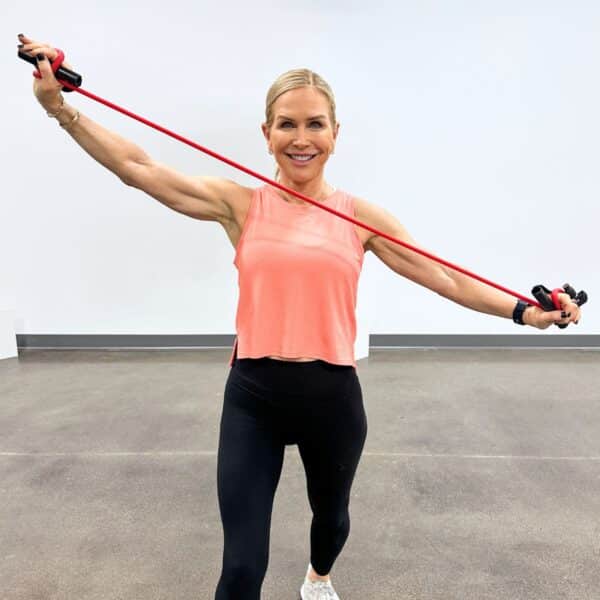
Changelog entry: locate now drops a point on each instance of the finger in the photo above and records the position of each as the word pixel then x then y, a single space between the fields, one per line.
pixel 575 312
pixel 35 49
pixel 556 316
pixel 565 301
pixel 32 46
pixel 563 322
pixel 24 39
pixel 43 65
pixel 568 305
pixel 27 44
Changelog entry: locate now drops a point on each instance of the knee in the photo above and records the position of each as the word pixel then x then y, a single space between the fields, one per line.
pixel 335 522
pixel 244 575
pixel 335 513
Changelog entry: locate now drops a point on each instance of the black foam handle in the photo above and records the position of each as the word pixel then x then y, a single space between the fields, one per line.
pixel 543 295
pixel 62 73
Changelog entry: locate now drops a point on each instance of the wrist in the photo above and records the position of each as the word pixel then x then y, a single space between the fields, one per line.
pixel 54 108
pixel 527 314
pixel 52 105
pixel 66 115
pixel 519 312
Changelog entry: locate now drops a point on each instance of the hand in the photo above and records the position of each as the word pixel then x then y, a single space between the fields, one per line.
pixel 537 317
pixel 47 89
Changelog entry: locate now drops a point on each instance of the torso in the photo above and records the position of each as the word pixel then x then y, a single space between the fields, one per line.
pixel 233 229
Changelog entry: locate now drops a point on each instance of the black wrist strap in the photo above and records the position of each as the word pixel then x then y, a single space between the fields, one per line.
pixel 518 312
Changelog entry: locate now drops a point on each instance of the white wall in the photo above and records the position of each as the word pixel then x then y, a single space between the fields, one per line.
pixel 475 123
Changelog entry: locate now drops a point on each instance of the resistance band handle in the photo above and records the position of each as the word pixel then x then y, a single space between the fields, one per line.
pixel 549 298
pixel 63 73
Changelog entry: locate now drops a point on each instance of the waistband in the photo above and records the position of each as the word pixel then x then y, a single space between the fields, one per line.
pixel 266 362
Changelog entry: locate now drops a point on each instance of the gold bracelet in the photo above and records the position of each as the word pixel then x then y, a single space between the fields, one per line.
pixel 60 108
pixel 71 122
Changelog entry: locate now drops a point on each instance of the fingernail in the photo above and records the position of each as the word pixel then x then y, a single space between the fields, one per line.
pixel 565 314
pixel 20 35
pixel 20 45
pixel 40 56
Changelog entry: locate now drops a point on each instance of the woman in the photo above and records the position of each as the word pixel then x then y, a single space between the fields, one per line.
pixel 293 378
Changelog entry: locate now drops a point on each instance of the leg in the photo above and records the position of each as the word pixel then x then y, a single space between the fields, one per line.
pixel 330 452
pixel 250 459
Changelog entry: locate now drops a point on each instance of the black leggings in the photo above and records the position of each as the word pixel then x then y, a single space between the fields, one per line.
pixel 269 404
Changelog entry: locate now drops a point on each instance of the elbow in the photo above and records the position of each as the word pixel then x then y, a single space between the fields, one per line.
pixel 446 284
pixel 131 174
pixel 127 180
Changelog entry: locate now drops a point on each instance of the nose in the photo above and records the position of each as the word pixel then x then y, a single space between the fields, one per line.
pixel 300 145
pixel 300 140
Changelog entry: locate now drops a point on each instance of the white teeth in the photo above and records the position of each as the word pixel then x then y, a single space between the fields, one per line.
pixel 303 157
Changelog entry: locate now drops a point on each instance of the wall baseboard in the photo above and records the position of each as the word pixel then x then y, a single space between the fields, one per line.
pixel 375 341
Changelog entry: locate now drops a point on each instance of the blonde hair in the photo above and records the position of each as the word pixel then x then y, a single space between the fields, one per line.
pixel 291 80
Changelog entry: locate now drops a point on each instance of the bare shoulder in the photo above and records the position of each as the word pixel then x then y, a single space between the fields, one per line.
pixel 230 195
pixel 236 197
pixel 378 218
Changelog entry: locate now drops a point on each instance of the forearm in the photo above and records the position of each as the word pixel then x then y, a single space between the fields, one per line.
pixel 469 292
pixel 111 150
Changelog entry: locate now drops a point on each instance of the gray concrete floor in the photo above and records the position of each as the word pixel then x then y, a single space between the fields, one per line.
pixel 480 478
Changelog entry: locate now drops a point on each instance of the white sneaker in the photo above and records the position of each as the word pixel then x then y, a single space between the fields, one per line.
pixel 317 590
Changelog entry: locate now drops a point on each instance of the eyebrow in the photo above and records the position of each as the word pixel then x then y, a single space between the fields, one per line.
pixel 309 118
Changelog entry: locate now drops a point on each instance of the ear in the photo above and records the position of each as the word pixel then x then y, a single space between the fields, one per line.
pixel 266 131
pixel 336 130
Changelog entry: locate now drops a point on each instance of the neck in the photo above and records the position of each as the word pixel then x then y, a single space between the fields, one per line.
pixel 317 189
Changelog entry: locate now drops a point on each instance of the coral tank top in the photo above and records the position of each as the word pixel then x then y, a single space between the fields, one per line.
pixel 298 269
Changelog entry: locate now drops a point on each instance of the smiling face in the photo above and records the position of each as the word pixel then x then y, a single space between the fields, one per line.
pixel 301 135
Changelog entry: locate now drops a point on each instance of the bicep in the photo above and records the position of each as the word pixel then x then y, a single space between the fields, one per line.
pixel 400 259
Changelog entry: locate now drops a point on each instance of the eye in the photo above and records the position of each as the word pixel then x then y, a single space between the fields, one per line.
pixel 286 124
pixel 316 125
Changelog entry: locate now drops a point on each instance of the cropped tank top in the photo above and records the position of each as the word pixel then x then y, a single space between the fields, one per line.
pixel 298 269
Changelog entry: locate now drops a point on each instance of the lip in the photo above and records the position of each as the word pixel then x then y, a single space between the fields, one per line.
pixel 301 163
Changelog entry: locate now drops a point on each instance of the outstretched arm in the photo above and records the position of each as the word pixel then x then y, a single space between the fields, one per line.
pixel 205 198
pixel 447 282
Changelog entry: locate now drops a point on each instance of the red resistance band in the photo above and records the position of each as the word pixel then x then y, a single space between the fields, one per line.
pixel 58 62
